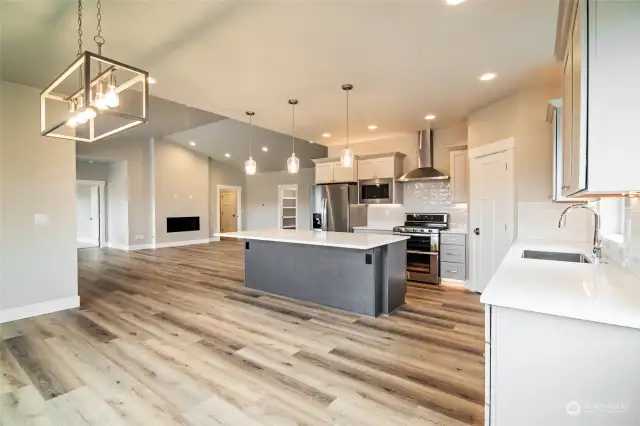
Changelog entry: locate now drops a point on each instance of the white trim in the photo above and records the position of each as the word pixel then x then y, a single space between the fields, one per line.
pixel 21 312
pixel 118 246
pixel 238 190
pixel 493 148
pixel 280 216
pixel 102 220
pixel 508 146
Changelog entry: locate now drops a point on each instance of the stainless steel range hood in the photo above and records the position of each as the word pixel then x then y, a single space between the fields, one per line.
pixel 425 170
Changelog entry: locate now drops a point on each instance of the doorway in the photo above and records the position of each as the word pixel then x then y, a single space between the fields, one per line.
pixel 90 207
pixel 492 209
pixel 229 212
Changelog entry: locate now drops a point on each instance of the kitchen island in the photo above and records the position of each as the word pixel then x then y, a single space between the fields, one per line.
pixel 362 273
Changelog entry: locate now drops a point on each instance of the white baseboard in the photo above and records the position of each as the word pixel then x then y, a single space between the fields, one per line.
pixel 118 246
pixel 140 247
pixel 21 312
pixel 182 243
pixel 86 241
pixel 213 239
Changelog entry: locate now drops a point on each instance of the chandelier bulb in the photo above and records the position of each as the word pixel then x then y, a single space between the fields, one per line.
pixel 100 100
pixel 111 97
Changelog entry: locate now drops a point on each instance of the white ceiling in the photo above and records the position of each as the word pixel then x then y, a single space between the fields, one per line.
pixel 231 137
pixel 405 58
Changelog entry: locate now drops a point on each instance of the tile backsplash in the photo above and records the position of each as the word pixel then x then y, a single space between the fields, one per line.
pixel 421 197
pixel 626 251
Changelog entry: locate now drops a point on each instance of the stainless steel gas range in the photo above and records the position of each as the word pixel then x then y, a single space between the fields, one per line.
pixel 423 246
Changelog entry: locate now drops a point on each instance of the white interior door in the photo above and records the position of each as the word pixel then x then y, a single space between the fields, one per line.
pixel 95 215
pixel 492 215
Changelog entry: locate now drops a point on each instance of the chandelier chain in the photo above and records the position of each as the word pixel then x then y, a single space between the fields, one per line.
pixel 98 38
pixel 79 27
pixel 293 127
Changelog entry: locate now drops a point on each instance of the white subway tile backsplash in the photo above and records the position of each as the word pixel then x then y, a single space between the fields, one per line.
pixel 421 197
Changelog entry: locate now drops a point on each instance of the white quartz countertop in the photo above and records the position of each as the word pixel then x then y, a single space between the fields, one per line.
pixel 604 293
pixel 317 238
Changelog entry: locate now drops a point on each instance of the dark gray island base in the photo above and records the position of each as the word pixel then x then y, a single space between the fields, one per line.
pixel 369 281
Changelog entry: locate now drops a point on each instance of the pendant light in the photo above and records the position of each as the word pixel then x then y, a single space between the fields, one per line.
pixel 293 163
pixel 346 157
pixel 97 94
pixel 250 165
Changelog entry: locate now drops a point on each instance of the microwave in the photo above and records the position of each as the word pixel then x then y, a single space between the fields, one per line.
pixel 380 191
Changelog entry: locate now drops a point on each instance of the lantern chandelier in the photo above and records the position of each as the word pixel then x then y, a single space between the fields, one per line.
pixel 94 105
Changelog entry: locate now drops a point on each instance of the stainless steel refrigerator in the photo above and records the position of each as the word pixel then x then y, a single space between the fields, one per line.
pixel 334 207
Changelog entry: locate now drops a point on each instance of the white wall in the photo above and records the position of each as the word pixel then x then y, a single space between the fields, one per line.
pixel 181 188
pixel 118 205
pixel 223 174
pixel 262 198
pixel 38 254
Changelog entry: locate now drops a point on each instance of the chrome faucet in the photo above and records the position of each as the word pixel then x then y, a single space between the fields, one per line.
pixel 597 237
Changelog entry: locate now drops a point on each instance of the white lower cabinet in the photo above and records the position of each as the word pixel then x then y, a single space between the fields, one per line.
pixel 550 370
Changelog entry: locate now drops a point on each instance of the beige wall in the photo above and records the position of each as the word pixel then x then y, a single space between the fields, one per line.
pixel 522 116
pixel 452 135
pixel 181 188
pixel 117 201
pixel 92 171
pixel 223 174
pixel 139 161
pixel 38 255
pixel 262 198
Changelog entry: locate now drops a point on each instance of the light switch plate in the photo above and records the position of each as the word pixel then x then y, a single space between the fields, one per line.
pixel 41 219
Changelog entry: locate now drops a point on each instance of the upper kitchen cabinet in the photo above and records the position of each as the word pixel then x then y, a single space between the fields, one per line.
pixel 459 173
pixel 329 170
pixel 380 166
pixel 600 97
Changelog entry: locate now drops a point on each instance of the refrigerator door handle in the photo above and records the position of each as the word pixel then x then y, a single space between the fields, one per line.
pixel 324 214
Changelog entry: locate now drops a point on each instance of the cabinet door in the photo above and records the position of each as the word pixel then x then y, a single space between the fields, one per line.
pixel 366 169
pixel 459 166
pixel 579 126
pixel 344 174
pixel 384 168
pixel 324 173
pixel 567 119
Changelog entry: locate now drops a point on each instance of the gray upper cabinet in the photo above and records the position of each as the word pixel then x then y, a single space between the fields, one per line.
pixel 600 135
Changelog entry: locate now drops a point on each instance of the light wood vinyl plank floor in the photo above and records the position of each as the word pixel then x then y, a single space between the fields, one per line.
pixel 171 337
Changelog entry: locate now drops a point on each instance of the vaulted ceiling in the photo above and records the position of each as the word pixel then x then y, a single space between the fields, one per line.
pixel 405 58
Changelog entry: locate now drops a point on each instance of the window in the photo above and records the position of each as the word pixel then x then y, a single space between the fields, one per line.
pixel 612 214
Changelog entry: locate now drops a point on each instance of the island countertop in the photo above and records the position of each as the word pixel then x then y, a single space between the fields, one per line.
pixel 317 238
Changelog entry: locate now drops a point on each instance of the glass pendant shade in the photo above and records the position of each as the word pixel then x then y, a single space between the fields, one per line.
pixel 293 163
pixel 250 166
pixel 111 98
pixel 100 100
pixel 346 157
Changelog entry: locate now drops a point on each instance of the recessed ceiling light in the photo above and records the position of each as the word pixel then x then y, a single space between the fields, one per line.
pixel 326 135
pixel 454 2
pixel 192 143
pixel 372 127
pixel 227 155
pixel 429 117
pixel 487 76
pixel 265 149
pixel 152 80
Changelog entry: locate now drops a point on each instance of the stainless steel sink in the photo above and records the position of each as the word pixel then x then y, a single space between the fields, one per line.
pixel 555 255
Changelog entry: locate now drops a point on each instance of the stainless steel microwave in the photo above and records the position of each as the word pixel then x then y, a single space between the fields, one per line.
pixel 378 191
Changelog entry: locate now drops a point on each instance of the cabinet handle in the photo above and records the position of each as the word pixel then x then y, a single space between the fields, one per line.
pixel 451 254
pixel 454 271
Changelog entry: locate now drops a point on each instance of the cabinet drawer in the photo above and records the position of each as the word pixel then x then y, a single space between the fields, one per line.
pixel 455 271
pixel 453 253
pixel 453 239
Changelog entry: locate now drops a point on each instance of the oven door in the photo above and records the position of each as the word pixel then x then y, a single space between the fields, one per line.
pixel 376 191
pixel 423 258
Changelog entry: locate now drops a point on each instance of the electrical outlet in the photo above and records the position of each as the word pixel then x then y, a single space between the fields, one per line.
pixel 139 237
